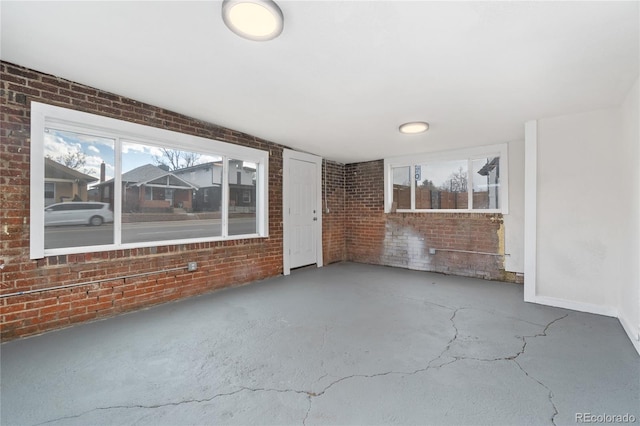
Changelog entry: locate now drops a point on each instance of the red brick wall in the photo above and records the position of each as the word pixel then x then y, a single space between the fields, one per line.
pixel 220 264
pixel 365 219
pixel 404 239
pixel 355 228
pixel 333 221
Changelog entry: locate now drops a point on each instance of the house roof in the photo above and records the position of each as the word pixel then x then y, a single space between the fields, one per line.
pixel 487 168
pixel 149 174
pixel 202 175
pixel 144 173
pixel 55 170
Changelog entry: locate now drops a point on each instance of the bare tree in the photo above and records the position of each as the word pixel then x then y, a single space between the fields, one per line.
pixel 74 159
pixel 457 182
pixel 174 159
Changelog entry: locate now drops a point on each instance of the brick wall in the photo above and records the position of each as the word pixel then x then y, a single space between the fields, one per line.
pixel 355 228
pixel 365 219
pixel 220 264
pixel 333 221
pixel 404 239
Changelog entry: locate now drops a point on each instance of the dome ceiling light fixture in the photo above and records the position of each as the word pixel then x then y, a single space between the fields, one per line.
pixel 258 20
pixel 414 127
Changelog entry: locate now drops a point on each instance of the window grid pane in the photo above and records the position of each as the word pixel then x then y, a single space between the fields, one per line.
pixel 242 197
pixel 486 183
pixel 401 187
pixel 164 191
pixel 443 185
pixel 76 215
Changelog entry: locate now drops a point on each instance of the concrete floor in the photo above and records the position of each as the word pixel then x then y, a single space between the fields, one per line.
pixel 344 344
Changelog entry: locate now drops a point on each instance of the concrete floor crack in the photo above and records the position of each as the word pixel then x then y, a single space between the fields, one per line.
pixel 449 343
pixel 543 334
pixel 277 390
pixel 426 302
pixel 154 406
pixel 524 347
pixel 404 373
pixel 310 395
pixel 550 393
pixel 306 416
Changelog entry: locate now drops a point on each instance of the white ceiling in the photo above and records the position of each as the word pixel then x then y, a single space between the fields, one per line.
pixel 344 75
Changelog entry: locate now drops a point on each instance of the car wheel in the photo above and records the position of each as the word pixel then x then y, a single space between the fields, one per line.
pixel 95 221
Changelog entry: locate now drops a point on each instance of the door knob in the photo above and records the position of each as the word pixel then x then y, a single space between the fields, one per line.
pixel 315 218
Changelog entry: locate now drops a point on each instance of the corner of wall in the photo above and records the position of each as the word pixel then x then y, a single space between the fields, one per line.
pixel 628 305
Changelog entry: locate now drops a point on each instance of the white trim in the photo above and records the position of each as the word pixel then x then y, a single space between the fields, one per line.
pixel 262 198
pixel 530 208
pixel 287 156
pixel 471 153
pixel 224 211
pixel 608 311
pixel 576 306
pixel 634 335
pixel 81 122
pixel 36 226
pixel 412 186
pixel 117 201
pixel 49 116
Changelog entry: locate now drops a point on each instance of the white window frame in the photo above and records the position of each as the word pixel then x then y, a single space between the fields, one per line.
pixel 44 116
pixel 468 154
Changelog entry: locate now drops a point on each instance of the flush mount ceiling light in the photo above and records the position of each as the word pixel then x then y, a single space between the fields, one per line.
pixel 414 127
pixel 258 20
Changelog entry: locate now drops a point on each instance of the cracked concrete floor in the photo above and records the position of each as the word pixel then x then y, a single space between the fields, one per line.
pixel 344 344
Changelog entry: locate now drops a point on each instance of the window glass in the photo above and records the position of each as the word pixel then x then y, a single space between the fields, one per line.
pixel 74 166
pixel 168 188
pixel 486 183
pixel 49 193
pixel 443 185
pixel 401 187
pixel 163 194
pixel 470 179
pixel 424 188
pixel 242 197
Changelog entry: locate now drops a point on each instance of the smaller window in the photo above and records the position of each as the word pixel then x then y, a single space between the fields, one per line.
pixel 474 179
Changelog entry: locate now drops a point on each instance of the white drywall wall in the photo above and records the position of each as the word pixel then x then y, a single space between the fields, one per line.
pixel 514 221
pixel 587 205
pixel 629 293
pixel 582 226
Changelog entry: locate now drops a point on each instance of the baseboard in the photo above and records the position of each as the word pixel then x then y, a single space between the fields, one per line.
pixel 608 311
pixel 577 306
pixel 632 332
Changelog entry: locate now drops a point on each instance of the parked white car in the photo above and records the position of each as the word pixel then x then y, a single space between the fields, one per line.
pixel 77 213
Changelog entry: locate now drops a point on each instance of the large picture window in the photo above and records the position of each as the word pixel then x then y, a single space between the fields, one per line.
pixel 474 179
pixel 99 184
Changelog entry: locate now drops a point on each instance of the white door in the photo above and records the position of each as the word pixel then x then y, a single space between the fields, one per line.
pixel 301 210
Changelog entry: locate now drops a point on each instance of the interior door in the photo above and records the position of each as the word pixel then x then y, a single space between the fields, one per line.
pixel 303 213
